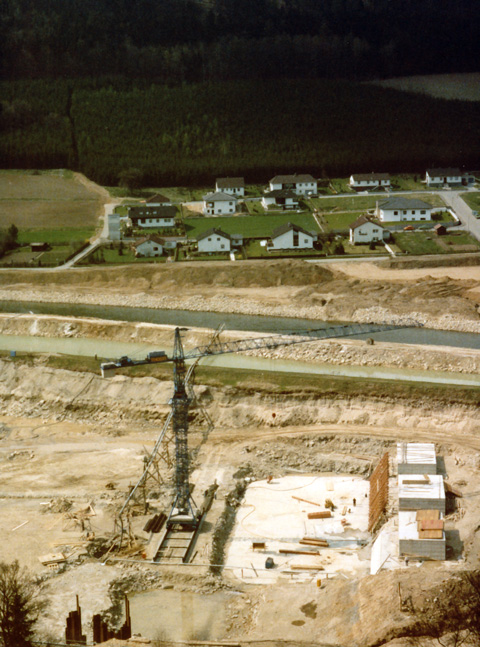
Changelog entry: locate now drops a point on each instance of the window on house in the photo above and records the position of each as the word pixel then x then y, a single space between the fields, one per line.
pixel 222 246
pixel 210 239
pixel 218 239
pixel 395 213
pixel 404 212
pixel 295 239
pixel 413 212
pixel 423 211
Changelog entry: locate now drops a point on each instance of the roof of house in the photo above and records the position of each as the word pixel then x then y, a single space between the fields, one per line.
pixel 218 196
pixel 289 226
pixel 287 179
pixel 230 182
pixel 445 172
pixel 280 193
pixel 404 203
pixel 439 226
pixel 361 220
pixel 158 212
pixel 146 239
pixel 371 176
pixel 213 231
pixel 158 197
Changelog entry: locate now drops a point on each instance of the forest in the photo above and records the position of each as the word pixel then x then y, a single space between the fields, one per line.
pixel 172 41
pixel 190 134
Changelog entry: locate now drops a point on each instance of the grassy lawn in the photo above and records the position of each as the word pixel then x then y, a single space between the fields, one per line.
pixel 249 226
pixel 55 236
pixel 254 208
pixel 254 190
pixel 56 256
pixel 405 182
pixel 363 249
pixel 363 202
pixel 340 221
pixel 443 216
pixel 420 242
pixel 194 256
pixel 473 200
pixel 340 185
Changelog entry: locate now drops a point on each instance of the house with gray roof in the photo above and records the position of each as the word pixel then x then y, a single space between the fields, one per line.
pixel 292 236
pixel 147 216
pixel 400 209
pixel 365 230
pixel 231 185
pixel 219 203
pixel 366 181
pixel 280 199
pixel 214 241
pixel 149 246
pixel 443 176
pixel 301 184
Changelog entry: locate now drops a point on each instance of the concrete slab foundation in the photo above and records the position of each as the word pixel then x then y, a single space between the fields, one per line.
pixel 270 515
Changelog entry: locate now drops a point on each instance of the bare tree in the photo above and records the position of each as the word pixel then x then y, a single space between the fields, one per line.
pixel 451 615
pixel 19 606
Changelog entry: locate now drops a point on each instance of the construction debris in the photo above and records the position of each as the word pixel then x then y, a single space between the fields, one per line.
pixel 323 514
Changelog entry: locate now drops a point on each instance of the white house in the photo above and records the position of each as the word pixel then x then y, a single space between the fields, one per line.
pixel 231 185
pixel 146 216
pixel 219 203
pixel 299 184
pixel 400 209
pixel 364 230
pixel 443 176
pixel 284 199
pixel 291 236
pixel 363 182
pixel 214 240
pixel 158 200
pixel 149 246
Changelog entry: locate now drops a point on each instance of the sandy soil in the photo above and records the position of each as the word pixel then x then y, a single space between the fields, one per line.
pixel 73 436
pixel 352 292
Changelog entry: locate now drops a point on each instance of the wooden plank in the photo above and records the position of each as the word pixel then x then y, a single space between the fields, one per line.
pixel 430 534
pixel 323 514
pixel 452 490
pixel 430 524
pixel 306 500
pixel 306 567
pixel 287 551
pixel 319 543
pixel 258 545
pixel 427 514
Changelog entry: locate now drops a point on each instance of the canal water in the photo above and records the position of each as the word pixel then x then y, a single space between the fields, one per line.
pixel 187 318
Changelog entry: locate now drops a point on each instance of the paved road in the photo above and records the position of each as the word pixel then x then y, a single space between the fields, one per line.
pixel 463 212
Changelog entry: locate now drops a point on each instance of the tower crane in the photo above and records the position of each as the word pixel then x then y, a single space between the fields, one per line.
pixel 184 510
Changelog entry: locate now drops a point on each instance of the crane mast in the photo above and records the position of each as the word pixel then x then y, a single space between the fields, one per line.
pixel 184 510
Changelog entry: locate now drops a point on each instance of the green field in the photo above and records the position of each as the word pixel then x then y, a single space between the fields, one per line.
pixel 338 221
pixel 249 226
pixel 420 242
pixel 473 200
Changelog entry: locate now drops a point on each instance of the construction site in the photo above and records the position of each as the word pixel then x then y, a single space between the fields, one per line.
pixel 209 486
pixel 157 500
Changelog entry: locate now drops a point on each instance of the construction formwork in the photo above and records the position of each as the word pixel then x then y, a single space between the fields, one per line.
pixel 416 458
pixel 378 497
pixel 421 492
pixel 421 537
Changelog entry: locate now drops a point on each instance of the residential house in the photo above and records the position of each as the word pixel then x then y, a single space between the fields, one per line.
pixel 158 200
pixel 280 198
pixel 214 241
pixel 231 185
pixel 39 247
pixel 147 217
pixel 443 176
pixel 365 230
pixel 363 182
pixel 151 245
pixel 291 236
pixel 401 209
pixel 219 203
pixel 299 184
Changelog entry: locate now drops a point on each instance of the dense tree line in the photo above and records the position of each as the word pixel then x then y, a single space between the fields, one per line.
pixel 196 132
pixel 199 40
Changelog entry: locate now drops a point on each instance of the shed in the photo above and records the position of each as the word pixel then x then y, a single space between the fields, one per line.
pixel 440 229
pixel 39 247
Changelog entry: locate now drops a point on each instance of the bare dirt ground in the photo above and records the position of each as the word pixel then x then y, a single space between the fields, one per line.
pixel 50 200
pixel 72 438
pixel 70 441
